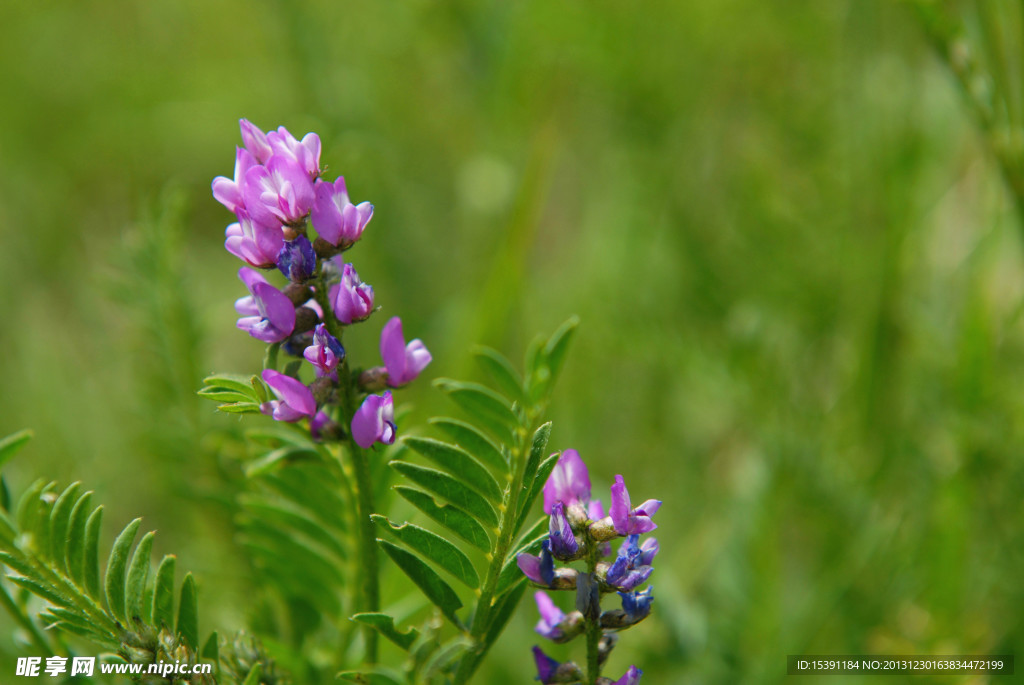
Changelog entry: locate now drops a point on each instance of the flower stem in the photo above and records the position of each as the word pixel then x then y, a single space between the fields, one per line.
pixel 593 624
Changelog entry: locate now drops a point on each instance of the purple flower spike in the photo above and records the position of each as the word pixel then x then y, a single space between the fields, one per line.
pixel 637 605
pixel 550 617
pixel 374 421
pixel 296 260
pixel 629 570
pixel 563 542
pixel 267 314
pixel 627 520
pixel 280 191
pixel 255 244
pixel 404 362
pixel 305 153
pixel 539 569
pixel 335 218
pixel 294 400
pixel 255 141
pixel 632 677
pixel 569 482
pixel 231 192
pixel 351 300
pixel 546 666
pixel 325 353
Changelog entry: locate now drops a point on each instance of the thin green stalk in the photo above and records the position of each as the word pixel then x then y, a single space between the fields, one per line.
pixel 506 534
pixel 366 591
pixel 593 624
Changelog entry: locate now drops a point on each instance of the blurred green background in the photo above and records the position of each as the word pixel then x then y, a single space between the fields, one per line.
pixel 798 270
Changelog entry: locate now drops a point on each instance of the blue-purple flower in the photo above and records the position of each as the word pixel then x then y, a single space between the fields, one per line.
pixel 550 617
pixel 296 259
pixel 267 314
pixel 335 218
pixel 403 362
pixel 632 566
pixel 563 542
pixel 351 300
pixel 631 677
pixel 637 604
pixel 294 400
pixel 374 421
pixel 540 569
pixel 627 520
pixel 568 483
pixel 325 353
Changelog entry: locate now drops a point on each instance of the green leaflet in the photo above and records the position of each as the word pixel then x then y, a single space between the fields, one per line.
pixel 473 441
pixel 138 573
pixel 435 548
pixel 501 371
pixel 558 345
pixel 91 553
pixel 435 589
pixel 76 539
pixel 188 613
pixel 11 444
pixel 60 518
pixel 254 675
pixel 440 660
pixel 449 516
pixel 535 487
pixel 374 675
pixel 163 593
pixel 117 564
pixel 385 625
pixel 488 407
pixel 449 488
pixel 457 461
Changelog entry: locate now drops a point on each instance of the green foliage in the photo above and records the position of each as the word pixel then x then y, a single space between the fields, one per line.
pixel 51 547
pixel 487 478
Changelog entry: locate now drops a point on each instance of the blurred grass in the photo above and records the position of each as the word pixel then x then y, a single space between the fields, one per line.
pixel 799 276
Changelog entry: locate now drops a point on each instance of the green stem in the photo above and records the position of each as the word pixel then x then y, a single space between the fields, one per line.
pixel 367 566
pixel 594 631
pixel 506 534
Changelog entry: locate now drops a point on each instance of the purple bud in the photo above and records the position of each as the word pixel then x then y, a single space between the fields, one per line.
pixel 255 244
pixel 374 421
pixel 563 542
pixel 539 569
pixel 550 617
pixel 255 141
pixel 628 570
pixel 636 604
pixel 335 219
pixel 569 482
pixel 231 192
pixel 404 362
pixel 294 400
pixel 632 677
pixel 546 666
pixel 267 314
pixel 280 191
pixel 351 300
pixel 296 259
pixel 317 425
pixel 325 353
pixel 627 520
pixel 305 154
